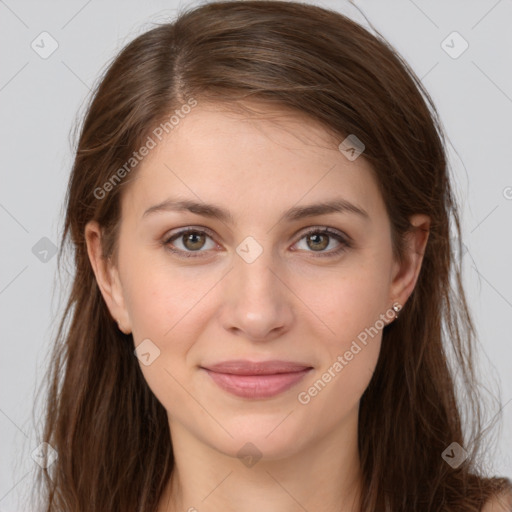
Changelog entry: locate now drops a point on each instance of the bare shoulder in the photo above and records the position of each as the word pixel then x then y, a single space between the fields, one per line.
pixel 500 503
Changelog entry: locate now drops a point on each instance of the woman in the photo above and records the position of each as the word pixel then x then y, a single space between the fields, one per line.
pixel 260 215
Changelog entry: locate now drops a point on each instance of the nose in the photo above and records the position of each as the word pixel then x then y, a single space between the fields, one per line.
pixel 257 303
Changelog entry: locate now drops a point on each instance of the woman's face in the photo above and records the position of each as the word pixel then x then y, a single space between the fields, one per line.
pixel 197 287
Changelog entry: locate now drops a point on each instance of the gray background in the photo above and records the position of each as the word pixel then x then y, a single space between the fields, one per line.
pixel 40 100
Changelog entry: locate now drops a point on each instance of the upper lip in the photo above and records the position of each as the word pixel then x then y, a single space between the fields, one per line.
pixel 245 367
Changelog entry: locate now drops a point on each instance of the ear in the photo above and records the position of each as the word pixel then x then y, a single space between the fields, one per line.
pixel 405 274
pixel 107 277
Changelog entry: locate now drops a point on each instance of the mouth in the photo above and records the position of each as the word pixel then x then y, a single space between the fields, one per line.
pixel 254 380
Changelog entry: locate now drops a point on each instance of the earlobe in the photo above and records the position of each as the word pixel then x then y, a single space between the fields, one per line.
pixel 407 272
pixel 107 277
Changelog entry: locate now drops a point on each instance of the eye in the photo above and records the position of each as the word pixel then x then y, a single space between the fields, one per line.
pixel 319 239
pixel 191 240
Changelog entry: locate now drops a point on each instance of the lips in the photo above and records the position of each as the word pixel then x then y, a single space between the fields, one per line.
pixel 243 367
pixel 254 380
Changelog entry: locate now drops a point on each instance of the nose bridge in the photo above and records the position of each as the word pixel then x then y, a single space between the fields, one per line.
pixel 253 276
pixel 256 279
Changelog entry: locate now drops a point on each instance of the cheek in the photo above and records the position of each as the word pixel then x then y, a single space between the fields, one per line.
pixel 335 392
pixel 353 308
pixel 347 300
pixel 352 303
pixel 159 295
pixel 163 306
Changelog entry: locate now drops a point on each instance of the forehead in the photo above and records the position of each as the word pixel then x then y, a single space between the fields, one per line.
pixel 273 158
pixel 257 120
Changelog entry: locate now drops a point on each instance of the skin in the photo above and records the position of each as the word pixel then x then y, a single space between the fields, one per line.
pixel 501 503
pixel 288 304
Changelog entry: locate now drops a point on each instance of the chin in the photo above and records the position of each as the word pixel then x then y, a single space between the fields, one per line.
pixel 268 438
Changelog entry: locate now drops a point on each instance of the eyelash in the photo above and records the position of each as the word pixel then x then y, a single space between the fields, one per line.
pixel 345 244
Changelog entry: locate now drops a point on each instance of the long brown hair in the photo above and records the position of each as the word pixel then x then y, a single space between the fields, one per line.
pixel 110 432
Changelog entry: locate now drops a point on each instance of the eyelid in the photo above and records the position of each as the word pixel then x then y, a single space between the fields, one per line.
pixel 185 229
pixel 330 231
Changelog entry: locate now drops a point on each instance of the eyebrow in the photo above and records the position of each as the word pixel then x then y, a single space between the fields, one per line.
pixel 338 205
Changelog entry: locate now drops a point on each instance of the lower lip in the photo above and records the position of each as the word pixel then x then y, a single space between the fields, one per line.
pixel 257 386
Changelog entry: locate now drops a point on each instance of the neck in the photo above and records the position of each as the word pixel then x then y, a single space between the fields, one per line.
pixel 324 475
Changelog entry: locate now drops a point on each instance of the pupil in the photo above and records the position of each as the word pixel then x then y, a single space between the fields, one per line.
pixel 190 240
pixel 317 236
